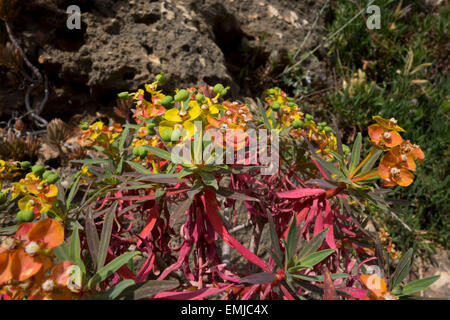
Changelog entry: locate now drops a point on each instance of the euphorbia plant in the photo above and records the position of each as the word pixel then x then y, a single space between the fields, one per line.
pixel 311 200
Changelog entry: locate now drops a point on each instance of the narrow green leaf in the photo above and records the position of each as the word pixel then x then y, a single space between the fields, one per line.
pixel 402 270
pixel 277 254
pixel 291 239
pixel 62 252
pixel 8 230
pixel 418 285
pixel 314 258
pixel 114 292
pixel 72 192
pixel 356 153
pixel 263 113
pixel 138 167
pixel 106 271
pixel 372 160
pixel 123 138
pixel 328 166
pixel 75 250
pixel 313 244
pixel 319 278
pixel 92 236
pixel 147 289
pixel 209 179
pixel 90 161
pixel 106 236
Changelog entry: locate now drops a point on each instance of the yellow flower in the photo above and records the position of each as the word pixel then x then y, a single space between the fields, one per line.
pixel 177 119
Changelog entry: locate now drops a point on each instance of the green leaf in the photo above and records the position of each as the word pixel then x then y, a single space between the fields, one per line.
pixel 9 230
pixel 62 252
pixel 114 292
pixel 106 271
pixel 402 270
pixel 138 167
pixel 72 192
pixel 319 278
pixel 372 160
pixel 209 179
pixel 147 289
pixel 106 236
pixel 159 152
pixel 314 258
pixel 123 138
pixel 75 250
pixel 313 244
pixel 291 239
pixel 418 285
pixel 356 153
pixel 90 161
pixel 277 254
pixel 328 166
pixel 92 236
pixel 263 113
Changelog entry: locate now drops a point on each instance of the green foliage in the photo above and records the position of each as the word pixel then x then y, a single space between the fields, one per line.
pixel 399 82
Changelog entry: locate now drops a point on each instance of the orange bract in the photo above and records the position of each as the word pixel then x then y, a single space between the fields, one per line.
pixel 389 124
pixel 377 288
pixel 384 138
pixel 48 231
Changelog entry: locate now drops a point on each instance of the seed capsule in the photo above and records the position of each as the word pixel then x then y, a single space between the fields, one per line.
pixel 176 134
pixel 25 165
pixel 47 173
pixel 52 178
pixel 166 101
pixel 297 124
pixel 166 135
pixel 38 169
pixel 160 78
pixel 182 95
pixel 276 106
pixel 199 97
pixel 218 88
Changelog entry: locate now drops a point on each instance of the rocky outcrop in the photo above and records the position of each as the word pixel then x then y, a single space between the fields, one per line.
pixel 122 44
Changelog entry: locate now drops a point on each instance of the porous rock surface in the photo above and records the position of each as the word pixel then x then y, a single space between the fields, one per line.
pixel 123 44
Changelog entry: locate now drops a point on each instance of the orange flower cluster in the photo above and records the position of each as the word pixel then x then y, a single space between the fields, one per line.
pixel 377 288
pixel 26 264
pixel 387 243
pixel 289 114
pixel 100 134
pixel 396 165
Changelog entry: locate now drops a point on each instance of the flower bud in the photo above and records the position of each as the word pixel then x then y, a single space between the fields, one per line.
pixel 123 95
